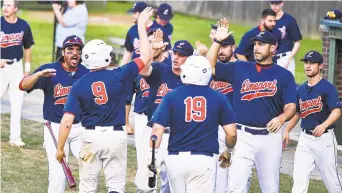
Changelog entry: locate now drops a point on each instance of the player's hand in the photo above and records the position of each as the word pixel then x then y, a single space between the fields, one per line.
pixel 285 139
pixel 59 155
pixel 276 123
pixel 222 29
pixel 319 130
pixel 157 40
pixel 225 158
pixel 56 6
pixel 145 15
pixel 47 73
pixel 286 65
pixel 129 129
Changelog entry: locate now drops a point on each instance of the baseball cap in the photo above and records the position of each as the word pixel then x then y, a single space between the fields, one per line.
pixel 165 11
pixel 72 40
pixel 313 56
pixel 183 47
pixel 138 7
pixel 213 26
pixel 333 14
pixel 229 40
pixel 266 37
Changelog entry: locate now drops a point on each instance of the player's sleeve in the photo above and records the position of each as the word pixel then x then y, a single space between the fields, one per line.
pixel 28 38
pixel 294 31
pixel 227 115
pixel 225 72
pixel 41 83
pixel 244 45
pixel 72 104
pixel 163 112
pixel 128 44
pixel 332 99
pixel 289 93
pixel 155 75
pixel 128 72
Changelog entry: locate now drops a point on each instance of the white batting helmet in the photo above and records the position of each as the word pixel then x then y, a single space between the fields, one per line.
pixel 196 70
pixel 96 54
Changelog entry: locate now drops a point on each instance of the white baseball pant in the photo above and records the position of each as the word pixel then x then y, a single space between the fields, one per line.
pixel 57 177
pixel 191 173
pixel 316 151
pixel 283 58
pixel 103 148
pixel 263 151
pixel 11 75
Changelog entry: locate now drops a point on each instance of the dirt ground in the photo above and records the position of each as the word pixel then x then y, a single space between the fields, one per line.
pixel 94 19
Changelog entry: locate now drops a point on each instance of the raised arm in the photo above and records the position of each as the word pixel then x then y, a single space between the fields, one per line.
pixel 29 81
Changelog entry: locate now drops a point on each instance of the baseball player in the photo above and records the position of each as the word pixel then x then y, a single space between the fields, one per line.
pixel 14 36
pixel 193 112
pixel 100 98
pixel 132 42
pixel 319 108
pixel 263 100
pixel 245 49
pixel 290 37
pixel 164 15
pixel 162 78
pixel 56 80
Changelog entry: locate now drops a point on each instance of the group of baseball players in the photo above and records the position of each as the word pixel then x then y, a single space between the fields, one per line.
pixel 213 116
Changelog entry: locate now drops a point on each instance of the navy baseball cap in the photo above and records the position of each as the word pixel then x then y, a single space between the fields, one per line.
pixel 275 2
pixel 313 56
pixel 72 40
pixel 266 37
pixel 138 7
pixel 229 40
pixel 165 11
pixel 183 47
pixel 213 26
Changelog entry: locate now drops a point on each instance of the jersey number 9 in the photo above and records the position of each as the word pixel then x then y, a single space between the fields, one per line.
pixel 195 109
pixel 100 93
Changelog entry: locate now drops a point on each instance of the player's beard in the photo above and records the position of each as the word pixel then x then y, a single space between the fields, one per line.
pixel 262 58
pixel 73 61
pixel 312 75
pixel 224 58
pixel 268 28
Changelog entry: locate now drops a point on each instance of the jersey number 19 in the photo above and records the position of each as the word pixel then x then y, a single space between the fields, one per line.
pixel 195 109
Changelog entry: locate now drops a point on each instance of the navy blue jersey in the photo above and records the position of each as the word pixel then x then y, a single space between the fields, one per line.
pixel 194 114
pixel 162 80
pixel 13 37
pixel 316 103
pixel 168 60
pixel 288 27
pixel 260 93
pixel 132 42
pixel 56 90
pixel 101 96
pixel 246 46
pixel 224 88
pixel 167 29
pixel 141 90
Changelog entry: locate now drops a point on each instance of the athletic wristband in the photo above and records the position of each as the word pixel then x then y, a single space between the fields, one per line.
pixel 27 66
pixel 217 41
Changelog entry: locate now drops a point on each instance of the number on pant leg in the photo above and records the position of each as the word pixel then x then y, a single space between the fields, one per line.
pixel 195 109
pixel 100 93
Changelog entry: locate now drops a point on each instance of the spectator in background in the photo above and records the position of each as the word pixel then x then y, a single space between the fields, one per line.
pixel 164 15
pixel 73 21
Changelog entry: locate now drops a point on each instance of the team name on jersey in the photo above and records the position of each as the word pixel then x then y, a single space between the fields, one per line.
pixel 223 87
pixel 12 39
pixel 136 45
pixel 61 91
pixel 310 106
pixel 255 90
pixel 162 91
pixel 144 86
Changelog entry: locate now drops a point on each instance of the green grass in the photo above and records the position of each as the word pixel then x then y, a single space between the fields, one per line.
pixel 26 169
pixel 186 27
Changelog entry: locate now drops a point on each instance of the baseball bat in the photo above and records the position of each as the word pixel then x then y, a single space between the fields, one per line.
pixel 70 178
pixel 152 166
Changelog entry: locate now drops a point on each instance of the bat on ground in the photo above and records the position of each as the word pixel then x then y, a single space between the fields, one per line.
pixel 70 178
pixel 152 166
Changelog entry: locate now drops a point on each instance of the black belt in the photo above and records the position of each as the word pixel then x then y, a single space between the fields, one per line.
pixel 253 131
pixel 280 55
pixel 150 124
pixel 141 113
pixel 115 128
pixel 309 132
pixel 192 153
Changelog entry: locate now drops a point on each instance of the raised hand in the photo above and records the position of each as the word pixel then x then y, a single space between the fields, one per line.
pixel 144 16
pixel 47 72
pixel 222 30
pixel 157 40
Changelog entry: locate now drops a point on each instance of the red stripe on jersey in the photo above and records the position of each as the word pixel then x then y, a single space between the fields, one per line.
pixel 139 63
